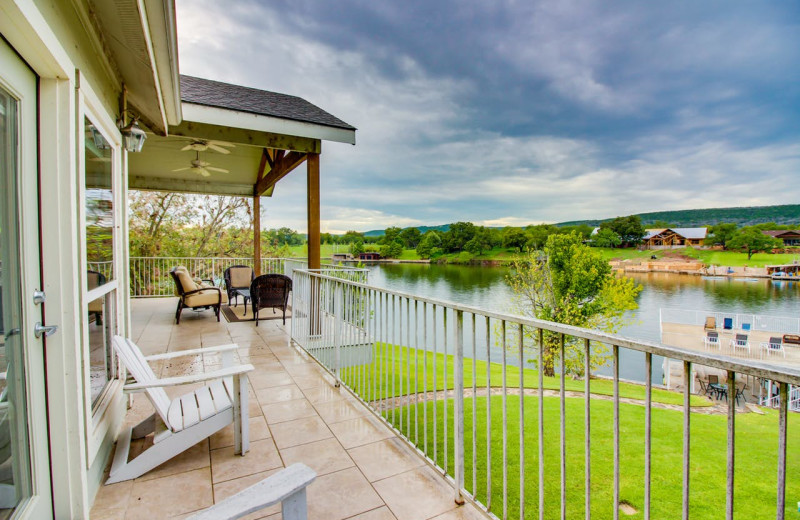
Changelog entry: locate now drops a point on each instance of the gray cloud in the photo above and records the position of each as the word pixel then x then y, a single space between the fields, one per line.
pixel 513 112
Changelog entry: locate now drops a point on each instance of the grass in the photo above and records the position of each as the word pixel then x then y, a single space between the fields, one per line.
pixel 400 362
pixel 736 259
pixel 756 457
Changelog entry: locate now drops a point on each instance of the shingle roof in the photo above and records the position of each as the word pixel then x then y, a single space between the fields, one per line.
pixel 262 102
pixel 779 232
pixel 689 233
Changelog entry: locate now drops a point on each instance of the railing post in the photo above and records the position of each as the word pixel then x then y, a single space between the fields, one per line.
pixel 338 308
pixel 458 415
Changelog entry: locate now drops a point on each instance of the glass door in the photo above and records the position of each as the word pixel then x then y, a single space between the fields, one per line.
pixel 24 463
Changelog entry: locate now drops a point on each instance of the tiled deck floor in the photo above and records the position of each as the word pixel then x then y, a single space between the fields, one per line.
pixel 296 415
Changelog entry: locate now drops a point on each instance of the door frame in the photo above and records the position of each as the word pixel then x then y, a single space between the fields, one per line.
pixel 18 79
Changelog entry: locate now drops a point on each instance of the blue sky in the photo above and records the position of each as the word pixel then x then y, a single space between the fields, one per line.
pixel 517 112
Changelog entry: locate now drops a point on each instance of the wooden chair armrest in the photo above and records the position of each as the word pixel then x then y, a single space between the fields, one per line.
pixel 270 491
pixel 191 378
pixel 193 352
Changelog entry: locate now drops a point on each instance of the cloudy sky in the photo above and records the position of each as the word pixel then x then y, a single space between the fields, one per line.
pixel 515 112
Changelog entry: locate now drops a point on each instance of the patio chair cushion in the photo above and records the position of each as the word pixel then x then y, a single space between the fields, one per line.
pixel 241 277
pixel 185 280
pixel 209 297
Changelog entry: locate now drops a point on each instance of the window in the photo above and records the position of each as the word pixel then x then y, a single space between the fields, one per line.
pixel 100 236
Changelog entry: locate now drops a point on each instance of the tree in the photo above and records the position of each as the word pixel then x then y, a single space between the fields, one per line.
pixel 351 236
pixel 356 247
pixel 606 238
pixel 457 236
pixel 392 249
pixel 390 234
pixel 751 240
pixel 574 285
pixel 537 235
pixel 630 229
pixel 411 236
pixel 429 245
pixel 720 234
pixel 481 241
pixel 515 238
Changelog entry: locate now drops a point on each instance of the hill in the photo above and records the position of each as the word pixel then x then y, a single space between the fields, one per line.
pixel 745 216
pixel 422 229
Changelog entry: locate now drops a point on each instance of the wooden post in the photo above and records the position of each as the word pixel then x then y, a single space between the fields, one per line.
pixel 312 166
pixel 257 234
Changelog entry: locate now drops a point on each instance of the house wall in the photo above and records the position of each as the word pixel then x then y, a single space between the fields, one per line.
pixel 60 44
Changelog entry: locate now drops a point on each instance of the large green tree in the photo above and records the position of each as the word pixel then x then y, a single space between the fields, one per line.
pixel 630 228
pixel 750 240
pixel 720 234
pixel 574 285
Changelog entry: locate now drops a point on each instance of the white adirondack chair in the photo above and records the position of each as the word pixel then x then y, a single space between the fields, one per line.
pixel 287 487
pixel 180 423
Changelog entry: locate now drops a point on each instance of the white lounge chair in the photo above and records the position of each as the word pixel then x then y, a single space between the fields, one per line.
pixel 180 423
pixel 773 346
pixel 740 342
pixel 288 487
pixel 711 340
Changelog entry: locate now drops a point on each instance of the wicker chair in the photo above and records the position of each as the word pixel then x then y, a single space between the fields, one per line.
pixel 238 277
pixel 270 290
pixel 195 296
pixel 95 279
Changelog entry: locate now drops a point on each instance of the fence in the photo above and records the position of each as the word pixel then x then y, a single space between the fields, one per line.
pixel 150 275
pixel 777 324
pixel 449 380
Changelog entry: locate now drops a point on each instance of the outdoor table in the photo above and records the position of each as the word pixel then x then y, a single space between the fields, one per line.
pixel 245 293
pixel 721 389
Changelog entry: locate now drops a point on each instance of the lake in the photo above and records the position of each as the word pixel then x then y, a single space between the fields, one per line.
pixel 485 287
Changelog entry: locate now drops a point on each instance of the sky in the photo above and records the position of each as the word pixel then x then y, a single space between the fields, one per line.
pixel 506 112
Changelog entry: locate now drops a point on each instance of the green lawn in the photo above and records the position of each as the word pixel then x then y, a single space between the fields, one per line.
pixel 736 259
pixel 409 368
pixel 756 457
pixel 625 254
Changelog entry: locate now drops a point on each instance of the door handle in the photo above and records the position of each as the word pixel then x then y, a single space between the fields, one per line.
pixel 46 330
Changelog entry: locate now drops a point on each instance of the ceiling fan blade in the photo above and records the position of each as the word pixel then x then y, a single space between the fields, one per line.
pixel 223 143
pixel 202 171
pixel 220 170
pixel 218 149
pixel 186 148
pixel 183 169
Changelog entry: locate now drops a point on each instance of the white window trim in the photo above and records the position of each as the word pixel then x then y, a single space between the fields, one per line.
pixel 98 419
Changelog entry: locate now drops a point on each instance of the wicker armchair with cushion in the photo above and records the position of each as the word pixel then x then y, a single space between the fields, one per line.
pixel 238 277
pixel 270 290
pixel 195 296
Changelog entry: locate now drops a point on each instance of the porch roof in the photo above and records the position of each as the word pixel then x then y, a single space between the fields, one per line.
pixel 266 135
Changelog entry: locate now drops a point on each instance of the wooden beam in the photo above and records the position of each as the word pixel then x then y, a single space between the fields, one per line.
pixel 239 136
pixel 257 234
pixel 283 165
pixel 313 203
pixel 189 186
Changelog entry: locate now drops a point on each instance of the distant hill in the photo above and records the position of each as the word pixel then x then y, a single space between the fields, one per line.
pixel 747 216
pixel 422 229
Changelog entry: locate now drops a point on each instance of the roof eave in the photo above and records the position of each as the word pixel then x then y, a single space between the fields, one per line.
pixel 162 23
pixel 249 121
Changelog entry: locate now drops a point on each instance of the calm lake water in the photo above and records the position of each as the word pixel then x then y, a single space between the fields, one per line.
pixel 485 287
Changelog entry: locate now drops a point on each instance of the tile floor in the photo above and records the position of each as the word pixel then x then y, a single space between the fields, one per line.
pixel 363 470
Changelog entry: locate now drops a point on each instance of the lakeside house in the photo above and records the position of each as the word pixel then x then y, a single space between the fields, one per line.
pixel 369 256
pixel 790 237
pixel 673 238
pixel 92 104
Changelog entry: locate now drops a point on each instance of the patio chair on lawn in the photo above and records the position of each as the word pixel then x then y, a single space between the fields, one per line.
pixel 270 290
pixel 195 296
pixel 288 487
pixel 711 340
pixel 180 423
pixel 238 277
pixel 712 380
pixel 740 342
pixel 773 346
pixel 711 323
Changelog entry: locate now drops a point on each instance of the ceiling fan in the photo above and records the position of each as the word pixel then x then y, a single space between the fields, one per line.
pixel 204 168
pixel 201 145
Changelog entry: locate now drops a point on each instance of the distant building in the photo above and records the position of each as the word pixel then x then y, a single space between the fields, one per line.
pixel 790 237
pixel 341 256
pixel 670 238
pixel 369 256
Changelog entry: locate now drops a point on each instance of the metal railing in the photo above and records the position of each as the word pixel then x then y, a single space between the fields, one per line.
pixel 149 276
pixel 453 381
pixel 775 400
pixel 738 321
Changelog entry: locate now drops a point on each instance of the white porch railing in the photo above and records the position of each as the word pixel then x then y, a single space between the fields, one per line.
pixel 447 379
pixel 777 324
pixel 150 276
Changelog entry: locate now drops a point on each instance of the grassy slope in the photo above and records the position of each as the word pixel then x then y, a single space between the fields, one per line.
pixel 735 259
pixel 755 467
pixel 409 372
